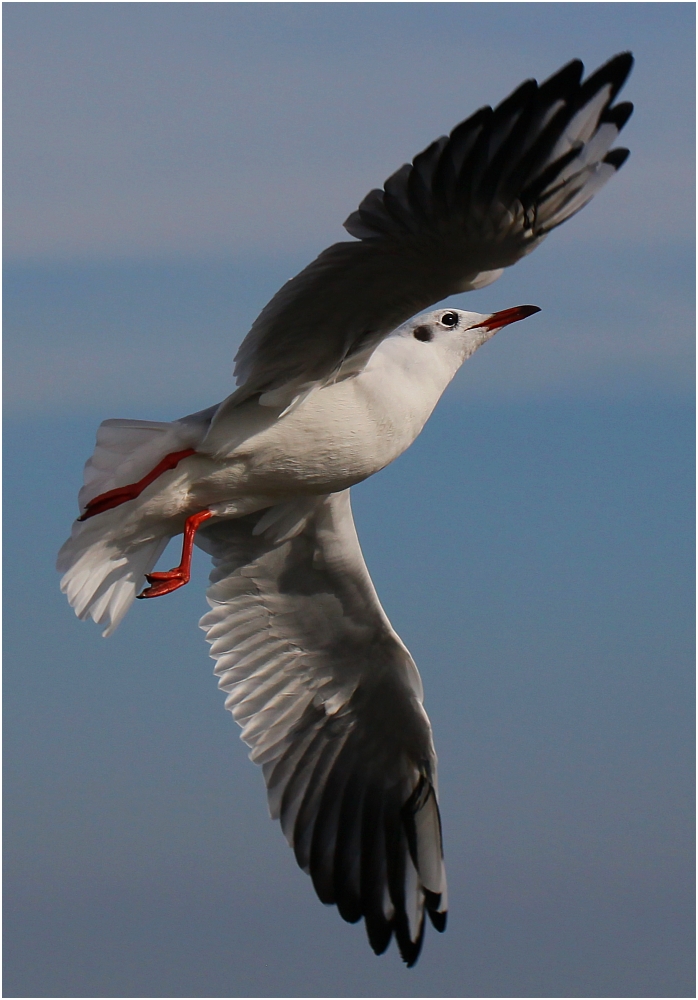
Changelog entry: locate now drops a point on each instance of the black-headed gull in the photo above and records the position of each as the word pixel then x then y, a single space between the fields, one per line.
pixel 335 380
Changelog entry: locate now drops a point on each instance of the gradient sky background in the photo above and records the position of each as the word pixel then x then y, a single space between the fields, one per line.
pixel 167 166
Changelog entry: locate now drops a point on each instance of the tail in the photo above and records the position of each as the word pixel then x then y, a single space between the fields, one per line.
pixel 126 450
pixel 101 573
pixel 103 569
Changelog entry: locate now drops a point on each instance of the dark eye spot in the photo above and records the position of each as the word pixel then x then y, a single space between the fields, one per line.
pixel 449 319
pixel 423 333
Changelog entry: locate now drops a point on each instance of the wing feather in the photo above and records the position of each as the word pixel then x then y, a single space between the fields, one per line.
pixel 469 205
pixel 330 704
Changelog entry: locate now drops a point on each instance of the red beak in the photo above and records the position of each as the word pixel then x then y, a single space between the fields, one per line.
pixel 507 316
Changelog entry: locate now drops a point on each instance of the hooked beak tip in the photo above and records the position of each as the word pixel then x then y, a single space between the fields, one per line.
pixel 499 319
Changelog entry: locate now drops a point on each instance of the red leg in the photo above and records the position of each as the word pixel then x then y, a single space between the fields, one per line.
pixel 113 498
pixel 173 579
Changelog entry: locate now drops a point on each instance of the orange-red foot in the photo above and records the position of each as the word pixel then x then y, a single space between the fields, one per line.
pixel 173 579
pixel 165 583
pixel 114 498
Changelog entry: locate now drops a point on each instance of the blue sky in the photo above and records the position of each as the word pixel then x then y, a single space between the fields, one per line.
pixel 167 167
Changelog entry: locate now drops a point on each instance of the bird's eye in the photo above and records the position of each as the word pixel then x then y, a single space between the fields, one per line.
pixel 423 333
pixel 449 320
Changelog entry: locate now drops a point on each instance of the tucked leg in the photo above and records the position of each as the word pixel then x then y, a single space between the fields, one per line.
pixel 173 579
pixel 113 498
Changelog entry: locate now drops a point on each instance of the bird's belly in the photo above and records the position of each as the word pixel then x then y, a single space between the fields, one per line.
pixel 337 437
pixel 323 456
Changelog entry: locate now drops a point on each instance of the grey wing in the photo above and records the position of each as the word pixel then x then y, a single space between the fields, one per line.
pixel 330 702
pixel 471 204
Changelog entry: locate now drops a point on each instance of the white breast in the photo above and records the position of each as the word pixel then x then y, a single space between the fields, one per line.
pixel 343 432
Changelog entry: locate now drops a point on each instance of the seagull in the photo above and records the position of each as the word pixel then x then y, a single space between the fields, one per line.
pixel 335 379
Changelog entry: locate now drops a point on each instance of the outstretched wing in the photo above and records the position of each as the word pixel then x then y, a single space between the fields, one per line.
pixel 471 204
pixel 330 702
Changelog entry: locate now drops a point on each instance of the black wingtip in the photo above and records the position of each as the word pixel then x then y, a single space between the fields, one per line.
pixel 432 902
pixel 564 79
pixel 617 67
pixel 618 115
pixel 615 72
pixel 621 65
pixel 617 157
pixel 409 949
pixel 438 919
pixel 624 61
pixel 379 933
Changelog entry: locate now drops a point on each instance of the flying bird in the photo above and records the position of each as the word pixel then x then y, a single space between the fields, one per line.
pixel 335 379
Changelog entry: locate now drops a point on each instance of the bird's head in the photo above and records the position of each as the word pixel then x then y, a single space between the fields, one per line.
pixel 457 333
